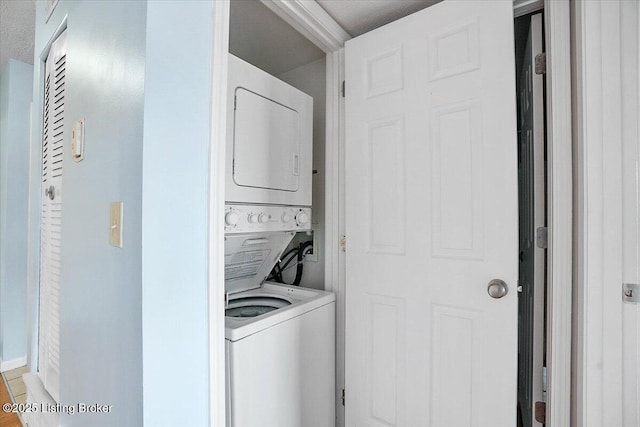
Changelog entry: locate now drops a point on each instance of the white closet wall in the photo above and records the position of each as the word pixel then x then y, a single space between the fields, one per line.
pixel 310 78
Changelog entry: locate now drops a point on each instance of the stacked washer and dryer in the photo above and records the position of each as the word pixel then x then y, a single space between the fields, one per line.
pixel 279 338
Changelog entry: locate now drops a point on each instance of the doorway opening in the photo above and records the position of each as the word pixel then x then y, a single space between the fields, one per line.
pixel 263 39
pixel 559 185
pixel 275 145
pixel 532 213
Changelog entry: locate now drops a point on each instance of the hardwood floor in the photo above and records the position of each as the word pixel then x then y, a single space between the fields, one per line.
pixel 9 419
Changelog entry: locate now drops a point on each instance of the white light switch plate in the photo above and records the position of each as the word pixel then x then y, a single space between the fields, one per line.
pixel 115 231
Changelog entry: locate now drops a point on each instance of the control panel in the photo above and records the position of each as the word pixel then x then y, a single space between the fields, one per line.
pixel 258 218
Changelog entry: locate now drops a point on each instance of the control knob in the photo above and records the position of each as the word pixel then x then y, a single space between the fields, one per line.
pixel 263 218
pixel 253 218
pixel 302 218
pixel 231 218
pixel 286 217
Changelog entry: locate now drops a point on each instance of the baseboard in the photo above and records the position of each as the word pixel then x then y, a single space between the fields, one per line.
pixel 37 395
pixel 7 365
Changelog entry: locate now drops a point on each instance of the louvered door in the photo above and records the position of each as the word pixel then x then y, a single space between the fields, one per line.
pixel 51 216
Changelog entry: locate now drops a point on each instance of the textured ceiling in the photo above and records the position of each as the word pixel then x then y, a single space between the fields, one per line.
pixel 360 16
pixel 17 30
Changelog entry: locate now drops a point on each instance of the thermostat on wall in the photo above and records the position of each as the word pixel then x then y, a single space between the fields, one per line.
pixel 77 140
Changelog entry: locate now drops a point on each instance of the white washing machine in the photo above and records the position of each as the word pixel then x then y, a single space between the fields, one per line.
pixel 280 359
pixel 280 339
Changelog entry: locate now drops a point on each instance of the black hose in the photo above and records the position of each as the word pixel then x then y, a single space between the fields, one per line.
pixel 303 246
pixel 276 272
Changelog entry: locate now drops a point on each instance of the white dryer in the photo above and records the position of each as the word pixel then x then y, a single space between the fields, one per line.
pixel 269 139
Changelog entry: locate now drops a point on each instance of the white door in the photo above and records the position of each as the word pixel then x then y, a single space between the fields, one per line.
pixel 431 219
pixel 51 216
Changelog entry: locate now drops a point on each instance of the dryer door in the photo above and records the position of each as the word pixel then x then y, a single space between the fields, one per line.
pixel 269 139
pixel 266 143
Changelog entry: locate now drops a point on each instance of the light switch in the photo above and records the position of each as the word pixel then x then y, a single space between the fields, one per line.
pixel 115 231
pixel 77 140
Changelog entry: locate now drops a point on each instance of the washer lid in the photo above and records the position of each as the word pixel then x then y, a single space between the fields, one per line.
pixel 248 258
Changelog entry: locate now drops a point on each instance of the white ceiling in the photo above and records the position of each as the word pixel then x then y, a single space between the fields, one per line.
pixel 360 16
pixel 17 30
pixel 260 37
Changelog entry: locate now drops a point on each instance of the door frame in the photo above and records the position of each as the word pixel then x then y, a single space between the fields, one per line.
pixel 215 258
pixel 557 23
pixel 606 366
pixel 322 30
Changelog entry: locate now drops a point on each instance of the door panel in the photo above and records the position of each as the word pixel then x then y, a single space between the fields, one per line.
pixel 431 218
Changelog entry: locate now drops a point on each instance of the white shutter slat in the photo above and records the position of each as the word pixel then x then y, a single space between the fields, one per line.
pixel 58 116
pixel 45 128
pixel 53 137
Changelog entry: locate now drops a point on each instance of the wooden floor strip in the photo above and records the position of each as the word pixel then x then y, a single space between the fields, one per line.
pixel 7 419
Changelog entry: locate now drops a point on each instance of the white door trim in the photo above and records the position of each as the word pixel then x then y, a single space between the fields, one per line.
pixel 313 22
pixel 525 7
pixel 218 132
pixel 334 271
pixel 560 212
